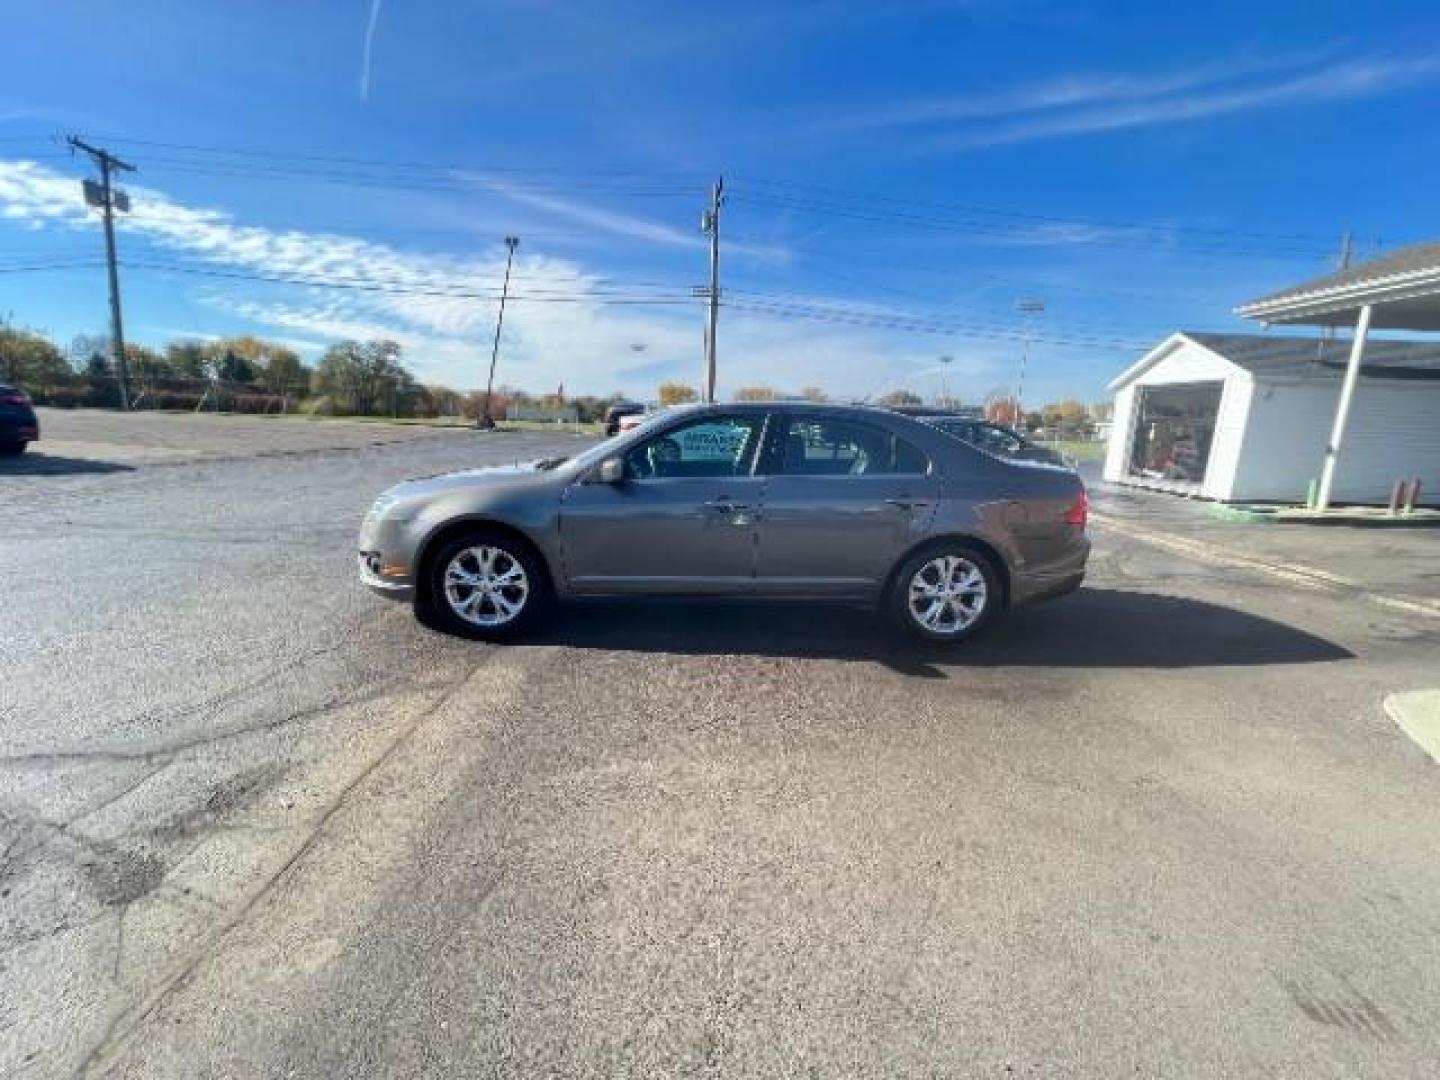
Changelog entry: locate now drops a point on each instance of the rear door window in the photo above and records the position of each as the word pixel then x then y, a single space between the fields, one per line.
pixel 827 446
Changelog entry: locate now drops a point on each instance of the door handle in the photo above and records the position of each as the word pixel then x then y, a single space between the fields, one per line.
pixel 908 503
pixel 725 506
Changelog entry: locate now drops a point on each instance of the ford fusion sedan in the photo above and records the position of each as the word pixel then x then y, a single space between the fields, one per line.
pixel 765 500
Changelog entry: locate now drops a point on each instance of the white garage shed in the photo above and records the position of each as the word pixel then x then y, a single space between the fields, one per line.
pixel 1246 418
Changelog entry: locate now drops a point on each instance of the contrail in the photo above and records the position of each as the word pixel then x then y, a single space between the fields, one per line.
pixel 369 41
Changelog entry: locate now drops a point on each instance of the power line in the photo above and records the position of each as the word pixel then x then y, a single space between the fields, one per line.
pixel 925 324
pixel 788 194
pixel 248 152
pixel 75 264
pixel 404 289
pixel 1143 238
pixel 1023 215
pixel 456 181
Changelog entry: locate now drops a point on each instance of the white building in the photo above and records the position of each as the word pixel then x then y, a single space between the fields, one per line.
pixel 1248 417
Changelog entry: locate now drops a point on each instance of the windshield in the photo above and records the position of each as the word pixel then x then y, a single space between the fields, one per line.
pixel 603 449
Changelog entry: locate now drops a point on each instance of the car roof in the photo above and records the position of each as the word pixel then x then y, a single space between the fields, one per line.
pixel 871 412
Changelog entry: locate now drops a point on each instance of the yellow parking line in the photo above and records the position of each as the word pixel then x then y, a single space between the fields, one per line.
pixel 1307 577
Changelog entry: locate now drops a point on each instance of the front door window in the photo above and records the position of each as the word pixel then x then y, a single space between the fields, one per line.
pixel 713 447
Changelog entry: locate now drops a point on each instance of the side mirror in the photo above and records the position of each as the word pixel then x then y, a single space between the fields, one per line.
pixel 611 471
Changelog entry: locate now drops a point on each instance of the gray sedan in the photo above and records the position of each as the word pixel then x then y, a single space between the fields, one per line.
pixel 775 501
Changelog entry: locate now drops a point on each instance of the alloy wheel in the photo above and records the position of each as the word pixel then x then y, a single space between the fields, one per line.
pixel 486 586
pixel 947 595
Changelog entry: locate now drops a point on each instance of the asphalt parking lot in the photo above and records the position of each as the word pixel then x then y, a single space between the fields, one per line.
pixel 256 822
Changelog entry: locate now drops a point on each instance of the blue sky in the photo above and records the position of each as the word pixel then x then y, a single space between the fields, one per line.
pixel 900 174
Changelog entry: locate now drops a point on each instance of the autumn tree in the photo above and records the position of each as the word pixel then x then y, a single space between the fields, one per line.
pixel 144 364
pixel 1001 407
pixel 188 359
pixel 30 360
pixel 814 393
pixel 89 354
pixel 1067 415
pixel 755 393
pixel 900 397
pixel 281 370
pixel 675 393
pixel 362 377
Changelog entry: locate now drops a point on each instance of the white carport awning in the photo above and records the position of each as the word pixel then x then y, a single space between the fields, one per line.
pixel 1403 288
pixel 1400 291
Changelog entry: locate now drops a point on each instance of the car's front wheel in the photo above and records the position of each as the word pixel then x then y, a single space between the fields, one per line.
pixel 944 593
pixel 486 585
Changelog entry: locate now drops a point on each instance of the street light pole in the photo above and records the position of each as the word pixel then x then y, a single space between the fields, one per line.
pixel 1029 307
pixel 483 421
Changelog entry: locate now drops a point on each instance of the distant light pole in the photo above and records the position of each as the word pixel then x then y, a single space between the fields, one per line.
pixel 484 420
pixel 945 362
pixel 1029 307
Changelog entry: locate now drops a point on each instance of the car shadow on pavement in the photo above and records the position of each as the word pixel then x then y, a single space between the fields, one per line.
pixel 33 464
pixel 1096 627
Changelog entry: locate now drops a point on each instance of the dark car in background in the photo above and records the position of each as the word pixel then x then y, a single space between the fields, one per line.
pixel 18 425
pixel 617 412
pixel 775 500
pixel 995 439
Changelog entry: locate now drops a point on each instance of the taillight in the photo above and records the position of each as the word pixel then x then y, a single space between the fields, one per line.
pixel 1079 513
pixel 14 399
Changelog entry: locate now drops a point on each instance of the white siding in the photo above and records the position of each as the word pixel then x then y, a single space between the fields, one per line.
pixel 1230 435
pixel 1117 452
pixel 1394 431
pixel 1188 363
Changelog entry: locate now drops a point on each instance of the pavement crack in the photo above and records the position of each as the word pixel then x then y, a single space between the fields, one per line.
pixel 124 1023
pixel 180 746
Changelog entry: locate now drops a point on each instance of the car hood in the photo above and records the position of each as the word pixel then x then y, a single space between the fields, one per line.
pixel 490 476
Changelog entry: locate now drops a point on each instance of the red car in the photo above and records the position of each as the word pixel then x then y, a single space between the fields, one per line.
pixel 18 426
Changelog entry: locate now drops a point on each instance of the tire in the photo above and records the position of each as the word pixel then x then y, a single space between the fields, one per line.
pixel 448 598
pixel 971 597
pixel 12 449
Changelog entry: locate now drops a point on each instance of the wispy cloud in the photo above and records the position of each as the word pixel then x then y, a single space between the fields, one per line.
pixel 368 51
pixel 583 342
pixel 1097 102
pixel 629 226
pixel 1336 82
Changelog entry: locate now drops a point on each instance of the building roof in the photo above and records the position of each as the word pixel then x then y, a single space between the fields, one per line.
pixel 1282 356
pixel 1269 354
pixel 1403 287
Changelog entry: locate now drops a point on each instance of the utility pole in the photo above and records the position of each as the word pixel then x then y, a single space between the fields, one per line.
pixel 484 421
pixel 1347 251
pixel 1029 307
pixel 109 200
pixel 710 225
pixel 1342 262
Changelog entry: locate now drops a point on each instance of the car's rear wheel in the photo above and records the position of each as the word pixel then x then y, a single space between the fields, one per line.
pixel 11 448
pixel 486 584
pixel 944 593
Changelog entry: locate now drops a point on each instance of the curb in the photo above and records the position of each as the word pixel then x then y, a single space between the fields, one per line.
pixel 1294 515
